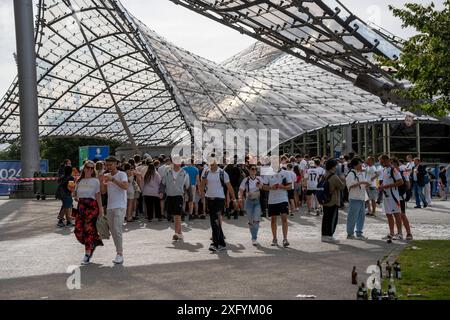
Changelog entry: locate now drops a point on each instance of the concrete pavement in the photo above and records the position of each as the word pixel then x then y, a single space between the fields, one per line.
pixel 35 255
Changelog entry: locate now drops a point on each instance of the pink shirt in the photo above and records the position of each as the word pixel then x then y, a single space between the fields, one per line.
pixel 152 187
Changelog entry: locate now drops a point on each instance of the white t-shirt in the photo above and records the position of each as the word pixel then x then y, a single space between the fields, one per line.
pixel 162 169
pixel 387 179
pixel 294 178
pixel 313 175
pixel 358 192
pixel 251 185
pixel 371 173
pixel 87 188
pixel 214 188
pixel 404 171
pixel 278 196
pixel 303 164
pixel 117 197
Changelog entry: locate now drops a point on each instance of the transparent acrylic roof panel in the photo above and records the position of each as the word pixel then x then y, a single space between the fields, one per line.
pixel 264 87
pixel 327 33
pixel 73 97
pixel 260 87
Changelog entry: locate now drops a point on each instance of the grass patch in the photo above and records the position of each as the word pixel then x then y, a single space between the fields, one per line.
pixel 425 271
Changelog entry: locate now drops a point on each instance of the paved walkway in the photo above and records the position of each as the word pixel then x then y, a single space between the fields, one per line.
pixel 35 255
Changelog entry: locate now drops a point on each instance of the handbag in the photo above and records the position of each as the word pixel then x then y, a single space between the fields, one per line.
pixel 136 187
pixel 103 227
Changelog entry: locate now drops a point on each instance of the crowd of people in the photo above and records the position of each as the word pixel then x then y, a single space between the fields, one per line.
pixel 177 189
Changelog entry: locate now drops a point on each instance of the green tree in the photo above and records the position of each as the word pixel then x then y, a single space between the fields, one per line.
pixel 12 152
pixel 425 61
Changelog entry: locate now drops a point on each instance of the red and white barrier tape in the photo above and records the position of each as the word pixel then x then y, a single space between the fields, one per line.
pixel 30 179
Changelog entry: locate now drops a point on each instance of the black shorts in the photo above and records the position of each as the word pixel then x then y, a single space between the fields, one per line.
pixel 174 205
pixel 291 194
pixel 278 209
pixel 310 192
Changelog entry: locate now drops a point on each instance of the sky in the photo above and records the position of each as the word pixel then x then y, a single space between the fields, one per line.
pixel 192 31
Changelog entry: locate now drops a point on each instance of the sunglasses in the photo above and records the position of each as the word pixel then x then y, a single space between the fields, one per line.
pixel 253 169
pixel 89 167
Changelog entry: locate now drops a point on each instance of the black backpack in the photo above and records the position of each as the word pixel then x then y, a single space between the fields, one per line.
pixel 323 193
pixel 403 190
pixel 222 179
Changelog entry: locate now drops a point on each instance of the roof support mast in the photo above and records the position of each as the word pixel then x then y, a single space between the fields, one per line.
pixel 26 63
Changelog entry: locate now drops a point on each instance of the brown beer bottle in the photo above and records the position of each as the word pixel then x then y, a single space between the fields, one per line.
pixel 354 276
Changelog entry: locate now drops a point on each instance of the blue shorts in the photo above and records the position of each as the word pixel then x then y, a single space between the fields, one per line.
pixel 67 202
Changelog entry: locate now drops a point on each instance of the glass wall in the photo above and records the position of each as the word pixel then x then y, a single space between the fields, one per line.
pixel 430 141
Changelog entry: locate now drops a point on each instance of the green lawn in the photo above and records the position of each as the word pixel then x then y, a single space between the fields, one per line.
pixel 425 271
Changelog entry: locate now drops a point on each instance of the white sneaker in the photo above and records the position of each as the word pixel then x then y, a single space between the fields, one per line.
pixel 221 248
pixel 328 239
pixel 86 260
pixel 361 237
pixel 398 236
pixel 255 243
pixel 388 237
pixel 180 236
pixel 118 260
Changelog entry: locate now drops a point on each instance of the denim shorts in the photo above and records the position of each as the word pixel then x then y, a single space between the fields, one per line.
pixel 67 202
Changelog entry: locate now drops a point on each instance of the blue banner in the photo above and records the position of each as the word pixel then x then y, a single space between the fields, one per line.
pixel 100 153
pixel 10 169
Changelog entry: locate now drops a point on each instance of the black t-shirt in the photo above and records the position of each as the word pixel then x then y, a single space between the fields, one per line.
pixel 235 174
pixel 65 183
pixel 443 177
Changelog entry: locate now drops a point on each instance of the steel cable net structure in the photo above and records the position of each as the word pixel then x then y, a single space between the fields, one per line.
pixel 102 72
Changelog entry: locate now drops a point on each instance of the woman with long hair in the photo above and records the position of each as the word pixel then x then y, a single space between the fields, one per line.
pixel 150 191
pixel 90 208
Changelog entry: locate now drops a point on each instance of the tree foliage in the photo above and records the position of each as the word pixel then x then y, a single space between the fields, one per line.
pixel 57 149
pixel 425 60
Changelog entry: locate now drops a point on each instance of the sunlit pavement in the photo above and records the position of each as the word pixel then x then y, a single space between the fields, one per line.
pixel 35 256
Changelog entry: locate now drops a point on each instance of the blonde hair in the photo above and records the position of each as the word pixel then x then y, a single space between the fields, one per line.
pixel 94 171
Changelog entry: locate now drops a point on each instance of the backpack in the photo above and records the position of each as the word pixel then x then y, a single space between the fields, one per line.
pixel 323 193
pixel 403 189
pixel 222 179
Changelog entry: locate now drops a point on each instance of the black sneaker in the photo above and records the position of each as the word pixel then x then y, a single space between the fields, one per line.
pixel 417 207
pixel 61 224
pixel 203 217
pixel 212 248
pixel 70 225
pixel 425 205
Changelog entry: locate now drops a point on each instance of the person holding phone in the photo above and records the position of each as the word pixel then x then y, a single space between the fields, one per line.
pixel 357 185
pixel 278 185
pixel 252 186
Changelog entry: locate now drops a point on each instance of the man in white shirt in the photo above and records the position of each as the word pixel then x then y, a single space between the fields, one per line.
pixel 391 180
pixel 312 177
pixel 372 174
pixel 174 184
pixel 278 185
pixel 115 183
pixel 216 180
pixel 356 184
pixel 291 193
